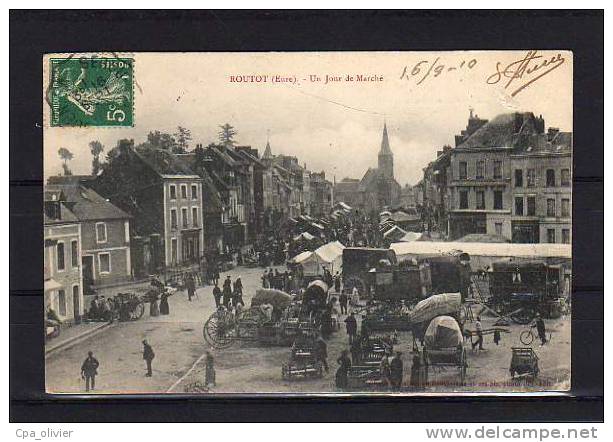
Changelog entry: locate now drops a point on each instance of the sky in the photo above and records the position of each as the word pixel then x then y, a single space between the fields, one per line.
pixel 334 127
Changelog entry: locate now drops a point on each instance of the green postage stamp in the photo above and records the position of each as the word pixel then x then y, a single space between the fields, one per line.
pixel 91 91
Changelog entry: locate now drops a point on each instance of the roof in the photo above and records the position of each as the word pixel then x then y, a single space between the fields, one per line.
pixel 347 185
pixel 369 179
pixel 267 152
pixel 210 192
pixel 401 216
pixel 540 250
pixel 506 130
pixel 163 162
pixel 86 204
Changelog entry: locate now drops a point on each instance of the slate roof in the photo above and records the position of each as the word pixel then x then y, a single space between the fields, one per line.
pixel 87 205
pixel 505 130
pixel 67 217
pixel 164 162
pixel 385 143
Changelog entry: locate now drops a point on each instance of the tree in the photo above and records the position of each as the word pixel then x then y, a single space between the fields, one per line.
pixel 66 156
pixel 161 140
pixel 96 148
pixel 226 135
pixel 183 136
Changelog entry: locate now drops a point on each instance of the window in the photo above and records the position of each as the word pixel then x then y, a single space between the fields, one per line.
pixel 480 200
pixel 100 232
pixel 61 299
pixel 497 199
pixel 519 178
pixel 184 218
pixel 531 209
pixel 183 191
pixel 497 169
pixel 195 216
pixel 480 169
pixel 75 295
pixel 551 236
pixel 551 207
pixel 566 236
pixel 551 178
pixel 173 192
pixel 194 192
pixel 519 205
pixel 463 199
pixel 173 250
pixel 565 207
pixel 61 263
pixel 498 228
pixel 74 253
pixel 173 218
pixel 565 177
pixel 530 178
pixel 462 170
pixel 104 262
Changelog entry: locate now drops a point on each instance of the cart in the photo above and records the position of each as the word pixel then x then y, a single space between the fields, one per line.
pixel 302 363
pixel 524 361
pixel 444 347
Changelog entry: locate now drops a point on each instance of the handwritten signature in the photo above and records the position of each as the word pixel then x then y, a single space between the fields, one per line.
pixel 529 69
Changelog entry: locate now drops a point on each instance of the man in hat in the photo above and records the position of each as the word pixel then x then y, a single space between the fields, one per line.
pixel 148 356
pixel 89 370
pixel 190 285
pixel 352 327
pixel 540 328
pixel 479 330
pixel 396 369
pixel 227 291
pixel 217 295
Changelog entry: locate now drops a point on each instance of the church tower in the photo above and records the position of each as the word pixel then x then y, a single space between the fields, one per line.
pixel 386 157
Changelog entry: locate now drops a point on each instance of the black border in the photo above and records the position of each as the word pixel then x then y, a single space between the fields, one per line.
pixel 33 33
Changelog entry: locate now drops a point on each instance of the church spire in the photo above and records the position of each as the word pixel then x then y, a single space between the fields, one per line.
pixel 386 157
pixel 267 152
pixel 385 143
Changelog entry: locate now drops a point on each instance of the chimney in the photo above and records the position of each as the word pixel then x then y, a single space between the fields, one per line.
pixel 552 132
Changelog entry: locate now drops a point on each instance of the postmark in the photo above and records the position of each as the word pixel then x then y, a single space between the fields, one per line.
pixel 91 91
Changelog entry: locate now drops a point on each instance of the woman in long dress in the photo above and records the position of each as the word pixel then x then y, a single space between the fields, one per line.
pixel 154 309
pixel 164 307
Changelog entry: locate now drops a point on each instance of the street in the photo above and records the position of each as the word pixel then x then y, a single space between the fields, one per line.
pixel 246 368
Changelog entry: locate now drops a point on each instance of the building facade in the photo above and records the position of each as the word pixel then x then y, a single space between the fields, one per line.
pixel 63 277
pixel 105 234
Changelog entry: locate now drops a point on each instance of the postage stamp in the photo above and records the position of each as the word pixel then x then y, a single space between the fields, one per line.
pixel 91 91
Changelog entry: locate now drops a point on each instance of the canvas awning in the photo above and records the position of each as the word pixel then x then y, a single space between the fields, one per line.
pixel 52 284
pixel 304 236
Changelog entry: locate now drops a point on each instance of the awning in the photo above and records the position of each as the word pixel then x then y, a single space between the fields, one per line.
pixel 52 284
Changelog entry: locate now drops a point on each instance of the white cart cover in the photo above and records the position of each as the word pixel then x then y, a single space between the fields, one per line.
pixel 443 332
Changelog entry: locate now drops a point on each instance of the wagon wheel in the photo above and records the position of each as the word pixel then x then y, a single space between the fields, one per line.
pixel 219 330
pixel 526 337
pixel 523 316
pixel 138 311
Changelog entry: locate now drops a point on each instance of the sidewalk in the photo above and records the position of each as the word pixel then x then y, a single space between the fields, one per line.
pixel 71 335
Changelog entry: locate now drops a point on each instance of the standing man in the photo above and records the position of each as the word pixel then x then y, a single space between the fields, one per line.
pixel 352 327
pixel 540 328
pixel 227 291
pixel 337 282
pixel 396 369
pixel 148 356
pixel 191 287
pixel 217 295
pixel 89 370
pixel 343 300
pixel 321 353
pixel 479 330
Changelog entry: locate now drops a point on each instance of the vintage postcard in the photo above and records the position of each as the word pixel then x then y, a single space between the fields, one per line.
pixel 308 223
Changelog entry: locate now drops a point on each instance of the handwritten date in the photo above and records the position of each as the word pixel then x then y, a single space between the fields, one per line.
pixel 426 68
